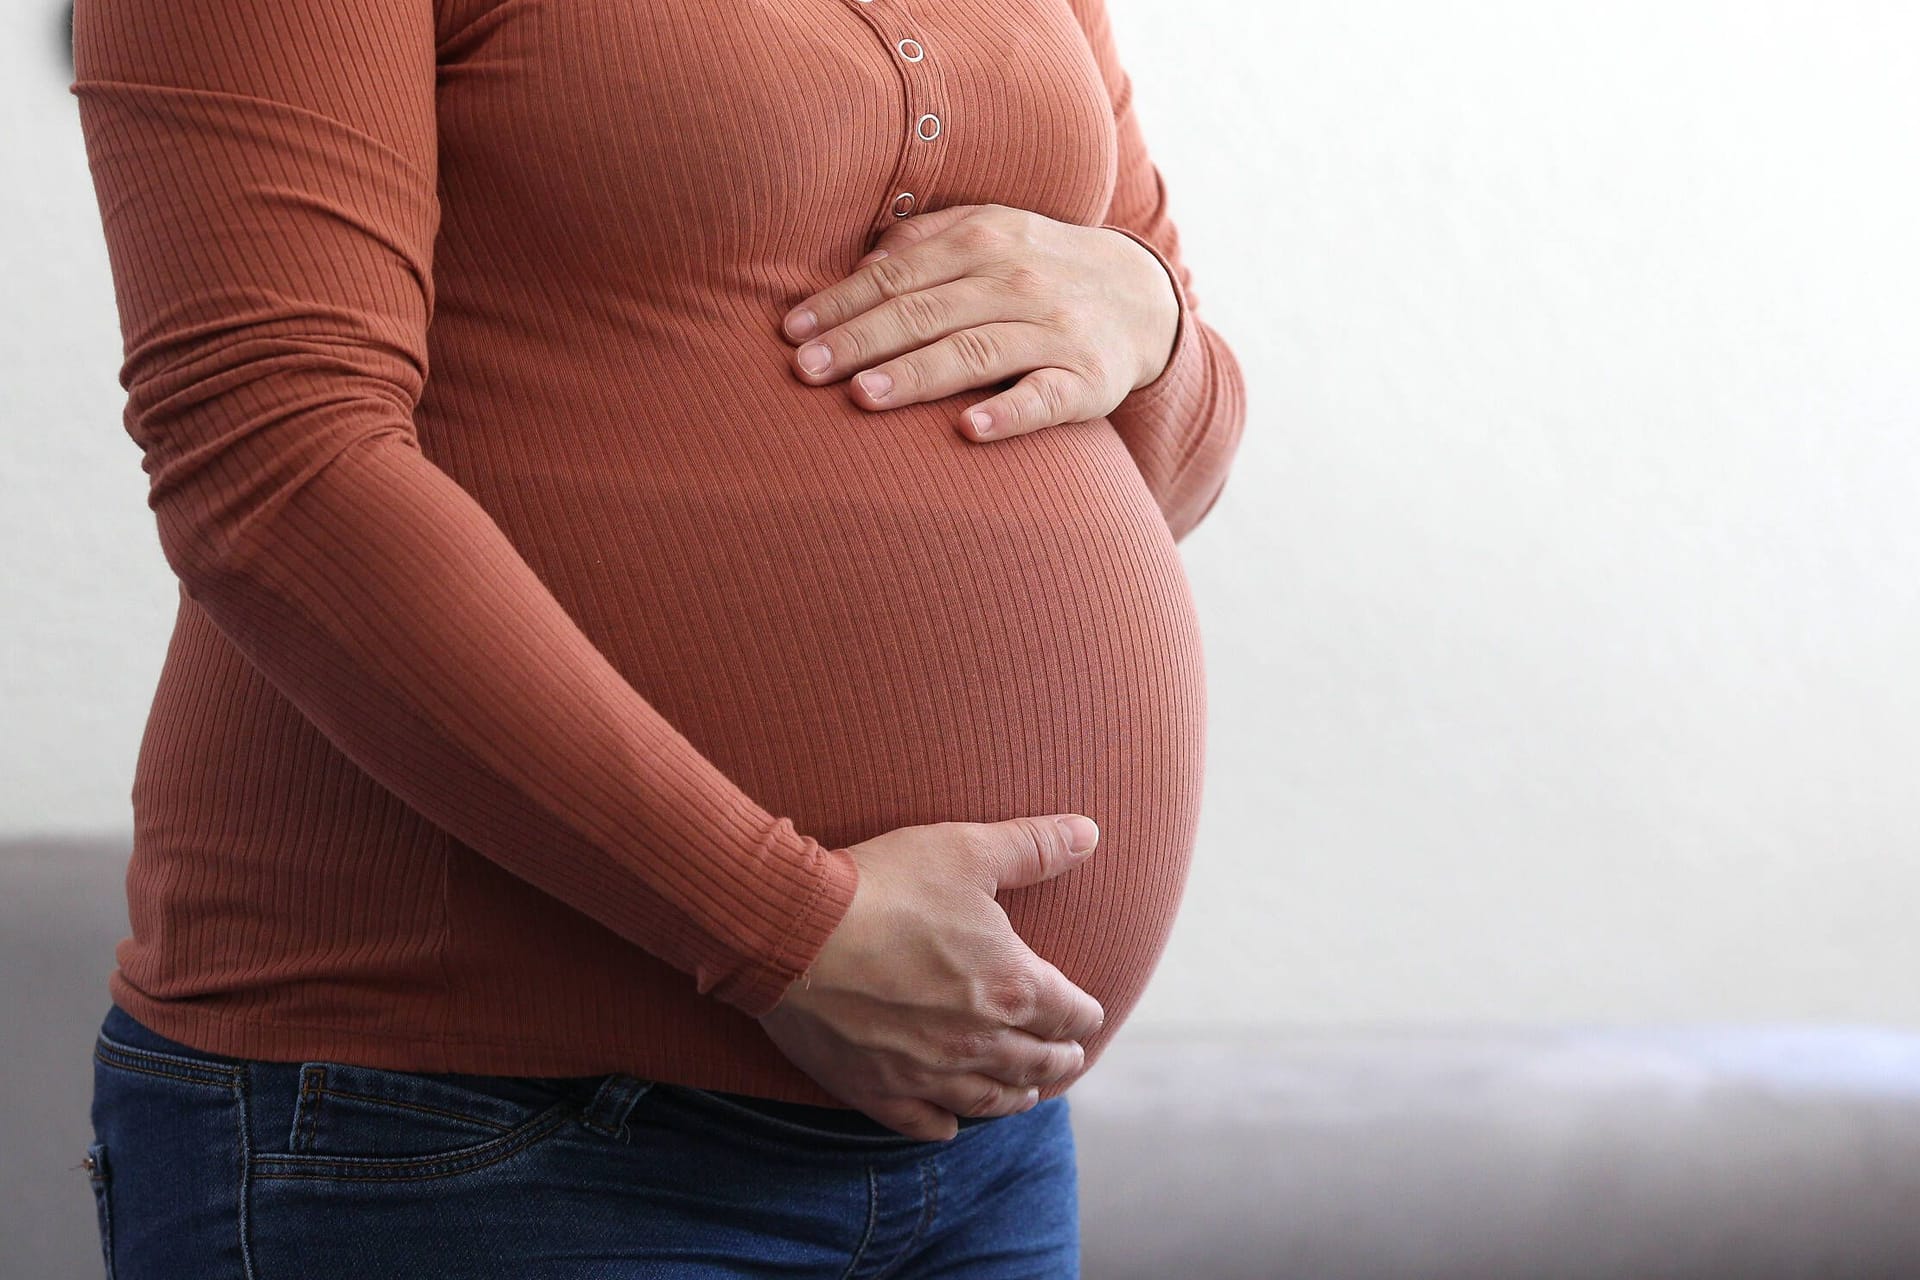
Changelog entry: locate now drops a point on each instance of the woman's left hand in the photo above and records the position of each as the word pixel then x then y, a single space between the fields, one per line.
pixel 973 295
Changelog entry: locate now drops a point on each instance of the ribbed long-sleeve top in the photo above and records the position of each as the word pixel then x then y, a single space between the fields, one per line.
pixel 543 640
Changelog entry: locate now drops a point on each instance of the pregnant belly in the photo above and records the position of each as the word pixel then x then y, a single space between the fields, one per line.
pixel 869 622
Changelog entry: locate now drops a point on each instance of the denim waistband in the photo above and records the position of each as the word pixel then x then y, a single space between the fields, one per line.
pixel 128 1030
pixel 124 1027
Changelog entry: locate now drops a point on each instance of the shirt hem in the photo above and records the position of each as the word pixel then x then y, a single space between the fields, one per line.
pixel 227 1035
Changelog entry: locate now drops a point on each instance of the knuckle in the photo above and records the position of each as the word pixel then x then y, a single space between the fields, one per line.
pixel 981 233
pixel 849 351
pixel 985 1101
pixel 973 841
pixel 1087 359
pixel 1051 392
pixel 1069 352
pixel 1026 281
pixel 1044 834
pixel 1015 222
pixel 920 312
pixel 891 275
pixel 1014 996
pixel 959 1048
pixel 974 350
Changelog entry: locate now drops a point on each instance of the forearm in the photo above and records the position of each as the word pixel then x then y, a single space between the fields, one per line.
pixel 387 605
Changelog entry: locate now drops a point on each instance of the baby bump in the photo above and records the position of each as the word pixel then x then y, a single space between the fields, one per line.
pixel 914 629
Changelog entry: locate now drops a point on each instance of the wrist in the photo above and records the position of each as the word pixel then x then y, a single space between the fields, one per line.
pixel 1163 323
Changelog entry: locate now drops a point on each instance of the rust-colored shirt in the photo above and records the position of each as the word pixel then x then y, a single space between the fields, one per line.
pixel 543 640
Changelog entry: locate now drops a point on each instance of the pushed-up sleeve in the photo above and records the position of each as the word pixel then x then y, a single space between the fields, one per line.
pixel 1184 427
pixel 266 181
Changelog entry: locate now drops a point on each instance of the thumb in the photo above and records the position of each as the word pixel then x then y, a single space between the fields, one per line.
pixel 917 227
pixel 1037 849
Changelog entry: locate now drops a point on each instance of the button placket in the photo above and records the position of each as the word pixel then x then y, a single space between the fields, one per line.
pixel 925 105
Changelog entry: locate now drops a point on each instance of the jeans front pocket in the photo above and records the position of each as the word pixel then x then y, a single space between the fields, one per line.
pixel 100 1174
pixel 350 1121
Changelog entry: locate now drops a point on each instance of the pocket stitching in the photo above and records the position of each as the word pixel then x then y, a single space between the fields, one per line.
pixel 423 1107
pixel 409 1168
pixel 310 1100
pixel 125 1057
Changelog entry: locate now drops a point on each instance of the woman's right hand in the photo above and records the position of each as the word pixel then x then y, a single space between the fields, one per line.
pixel 925 1004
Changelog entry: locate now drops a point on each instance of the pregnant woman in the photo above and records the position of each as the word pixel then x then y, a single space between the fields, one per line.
pixel 675 507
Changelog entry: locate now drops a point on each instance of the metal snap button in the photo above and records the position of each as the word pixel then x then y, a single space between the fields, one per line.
pixel 921 127
pixel 910 44
pixel 902 210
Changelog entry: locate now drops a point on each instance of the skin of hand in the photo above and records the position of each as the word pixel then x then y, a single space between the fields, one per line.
pixel 973 295
pixel 924 1003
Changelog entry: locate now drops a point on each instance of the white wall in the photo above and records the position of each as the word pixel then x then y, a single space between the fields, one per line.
pixel 1562 610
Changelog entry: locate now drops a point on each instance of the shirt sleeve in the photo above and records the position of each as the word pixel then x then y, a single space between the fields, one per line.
pixel 1184 427
pixel 266 180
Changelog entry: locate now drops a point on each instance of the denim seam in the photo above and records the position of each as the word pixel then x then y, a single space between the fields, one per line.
pixel 242 1088
pixel 929 1191
pixel 873 1214
pixel 102 1182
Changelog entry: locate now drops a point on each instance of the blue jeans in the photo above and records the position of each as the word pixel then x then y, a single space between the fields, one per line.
pixel 220 1168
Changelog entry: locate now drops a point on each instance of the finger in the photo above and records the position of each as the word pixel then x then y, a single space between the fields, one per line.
pixel 916 1118
pixel 969 357
pixel 1028 849
pixel 898 326
pixel 905 269
pixel 916 227
pixel 1045 397
pixel 1020 1058
pixel 973 1094
pixel 1060 1010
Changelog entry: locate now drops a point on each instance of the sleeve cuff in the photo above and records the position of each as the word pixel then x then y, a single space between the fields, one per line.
pixel 1187 359
pixel 824 881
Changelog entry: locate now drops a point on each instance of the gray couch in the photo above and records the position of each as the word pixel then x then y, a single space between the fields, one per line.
pixel 1471 1153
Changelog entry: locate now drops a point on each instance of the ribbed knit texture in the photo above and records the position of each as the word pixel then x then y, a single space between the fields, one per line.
pixel 543 640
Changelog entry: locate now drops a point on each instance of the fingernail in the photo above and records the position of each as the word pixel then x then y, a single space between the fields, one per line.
pixel 814 357
pixel 981 421
pixel 877 384
pixel 1082 834
pixel 873 256
pixel 801 323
